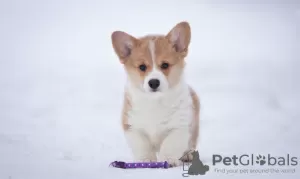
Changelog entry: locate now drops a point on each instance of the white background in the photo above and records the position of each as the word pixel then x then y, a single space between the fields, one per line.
pixel 61 83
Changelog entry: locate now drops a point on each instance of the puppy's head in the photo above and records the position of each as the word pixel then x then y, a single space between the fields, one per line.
pixel 154 64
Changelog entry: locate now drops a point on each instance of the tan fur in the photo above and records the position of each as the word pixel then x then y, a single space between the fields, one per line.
pixel 195 124
pixel 164 53
pixel 126 108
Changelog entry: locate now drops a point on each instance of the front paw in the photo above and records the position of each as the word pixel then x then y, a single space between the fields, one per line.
pixel 187 157
pixel 146 160
pixel 149 158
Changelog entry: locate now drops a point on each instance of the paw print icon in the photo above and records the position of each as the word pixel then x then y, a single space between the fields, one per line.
pixel 261 160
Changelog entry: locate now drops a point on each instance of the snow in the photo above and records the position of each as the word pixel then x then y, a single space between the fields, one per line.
pixel 61 83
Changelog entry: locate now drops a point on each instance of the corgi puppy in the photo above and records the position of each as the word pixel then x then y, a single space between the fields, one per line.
pixel 160 116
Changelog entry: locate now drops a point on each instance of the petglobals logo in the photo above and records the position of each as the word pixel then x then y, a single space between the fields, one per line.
pixel 255 164
pixel 246 160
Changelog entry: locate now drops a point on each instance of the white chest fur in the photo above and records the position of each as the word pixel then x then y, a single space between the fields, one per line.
pixel 156 114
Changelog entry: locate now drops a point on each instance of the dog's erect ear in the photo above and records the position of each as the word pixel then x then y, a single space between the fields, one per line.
pixel 122 44
pixel 180 36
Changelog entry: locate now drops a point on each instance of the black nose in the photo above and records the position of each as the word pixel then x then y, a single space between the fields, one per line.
pixel 154 84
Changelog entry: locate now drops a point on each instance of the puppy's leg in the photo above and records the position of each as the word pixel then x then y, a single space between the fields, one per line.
pixel 140 145
pixel 174 146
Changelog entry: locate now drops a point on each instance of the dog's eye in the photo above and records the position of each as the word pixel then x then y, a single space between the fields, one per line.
pixel 164 66
pixel 143 67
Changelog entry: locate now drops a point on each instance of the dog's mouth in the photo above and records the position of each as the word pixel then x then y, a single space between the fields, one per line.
pixel 154 90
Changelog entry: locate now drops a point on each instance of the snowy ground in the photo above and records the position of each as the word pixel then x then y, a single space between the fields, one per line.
pixel 61 84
